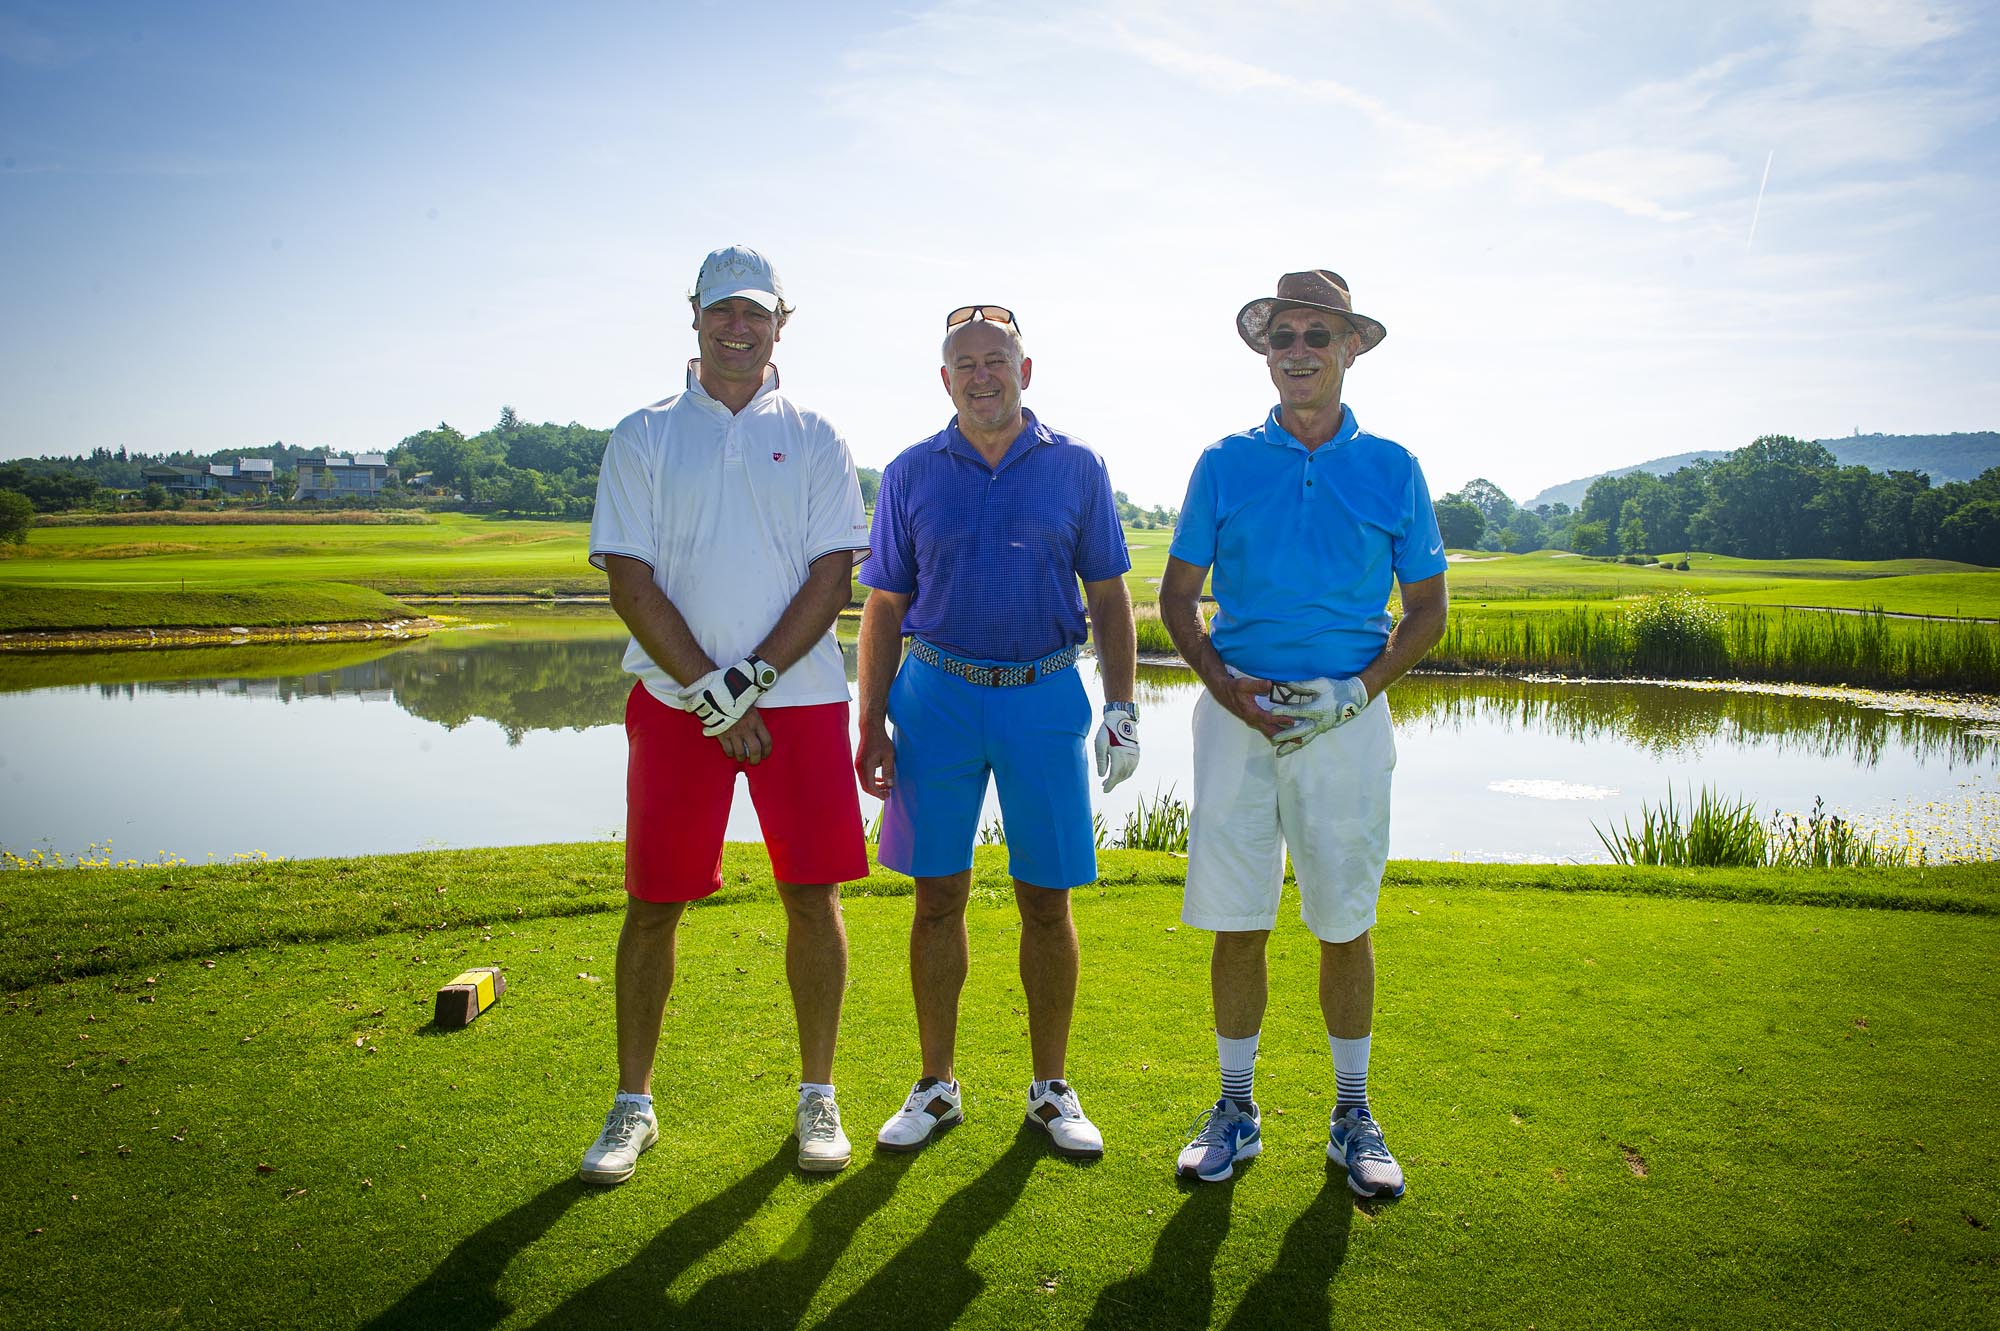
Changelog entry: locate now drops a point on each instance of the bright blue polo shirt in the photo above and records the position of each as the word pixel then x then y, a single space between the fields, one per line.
pixel 1304 546
pixel 990 556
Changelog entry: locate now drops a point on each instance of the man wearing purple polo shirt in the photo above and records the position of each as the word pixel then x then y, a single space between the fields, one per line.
pixel 981 534
pixel 1306 520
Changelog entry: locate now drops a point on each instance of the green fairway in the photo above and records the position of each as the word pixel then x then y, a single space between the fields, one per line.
pixel 1550 578
pixel 456 553
pixel 1614 1110
pixel 204 605
pixel 1945 595
pixel 469 554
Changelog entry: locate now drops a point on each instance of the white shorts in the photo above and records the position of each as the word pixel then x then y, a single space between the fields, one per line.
pixel 1328 803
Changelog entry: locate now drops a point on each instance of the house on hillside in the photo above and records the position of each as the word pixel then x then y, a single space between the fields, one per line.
pixel 191 482
pixel 252 478
pixel 362 476
pixel 249 478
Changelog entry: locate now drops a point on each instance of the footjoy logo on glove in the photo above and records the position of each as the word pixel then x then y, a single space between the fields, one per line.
pixel 777 457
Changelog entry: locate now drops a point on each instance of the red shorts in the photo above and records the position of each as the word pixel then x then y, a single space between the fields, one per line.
pixel 678 785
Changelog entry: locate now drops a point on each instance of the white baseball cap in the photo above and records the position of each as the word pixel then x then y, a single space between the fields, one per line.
pixel 738 270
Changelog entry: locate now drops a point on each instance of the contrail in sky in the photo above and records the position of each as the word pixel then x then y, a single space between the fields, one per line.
pixel 1760 198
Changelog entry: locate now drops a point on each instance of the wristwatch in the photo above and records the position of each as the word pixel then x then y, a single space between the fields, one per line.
pixel 1130 709
pixel 762 673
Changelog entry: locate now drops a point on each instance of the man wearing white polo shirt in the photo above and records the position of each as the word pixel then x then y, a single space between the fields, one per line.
pixel 728 522
pixel 1306 520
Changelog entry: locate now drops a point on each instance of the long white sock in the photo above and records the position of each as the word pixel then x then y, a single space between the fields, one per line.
pixel 1350 1073
pixel 1239 1065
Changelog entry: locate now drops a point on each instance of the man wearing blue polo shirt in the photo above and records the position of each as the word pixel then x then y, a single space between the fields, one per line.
pixel 981 533
pixel 1306 519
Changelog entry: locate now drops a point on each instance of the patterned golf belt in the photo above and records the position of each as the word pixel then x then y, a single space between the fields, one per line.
pixel 997 676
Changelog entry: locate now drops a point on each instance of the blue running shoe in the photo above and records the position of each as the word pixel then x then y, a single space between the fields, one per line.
pixel 1354 1142
pixel 1223 1136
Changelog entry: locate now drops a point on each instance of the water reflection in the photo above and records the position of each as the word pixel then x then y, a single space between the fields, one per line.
pixel 1662 720
pixel 512 735
pixel 521 686
pixel 529 685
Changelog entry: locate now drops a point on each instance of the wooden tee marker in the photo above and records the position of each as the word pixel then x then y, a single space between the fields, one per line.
pixel 467 996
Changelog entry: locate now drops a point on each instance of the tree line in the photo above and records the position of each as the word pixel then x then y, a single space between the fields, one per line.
pixel 514 467
pixel 1775 498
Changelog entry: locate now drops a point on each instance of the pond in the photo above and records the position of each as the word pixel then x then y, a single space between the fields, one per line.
pixel 511 734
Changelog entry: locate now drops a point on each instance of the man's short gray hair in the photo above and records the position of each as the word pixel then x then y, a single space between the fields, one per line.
pixel 1013 335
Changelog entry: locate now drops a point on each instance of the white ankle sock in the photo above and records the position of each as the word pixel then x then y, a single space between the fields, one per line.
pixel 1350 1072
pixel 1238 1057
pixel 825 1088
pixel 644 1102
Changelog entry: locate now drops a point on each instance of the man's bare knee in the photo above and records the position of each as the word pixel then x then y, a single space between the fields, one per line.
pixel 653 917
pixel 1041 907
pixel 942 900
pixel 810 903
pixel 1235 944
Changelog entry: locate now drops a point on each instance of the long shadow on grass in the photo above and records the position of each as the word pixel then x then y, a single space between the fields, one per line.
pixel 1298 1289
pixel 776 1292
pixel 1177 1288
pixel 932 1277
pixel 632 1292
pixel 461 1295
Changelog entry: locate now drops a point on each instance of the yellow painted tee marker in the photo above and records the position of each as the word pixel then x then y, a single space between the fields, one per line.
pixel 470 994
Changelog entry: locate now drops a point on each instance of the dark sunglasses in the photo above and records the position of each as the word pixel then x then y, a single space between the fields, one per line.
pixel 1282 338
pixel 993 314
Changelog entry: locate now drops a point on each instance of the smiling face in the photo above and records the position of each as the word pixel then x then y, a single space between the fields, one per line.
pixel 736 337
pixel 1308 378
pixel 985 375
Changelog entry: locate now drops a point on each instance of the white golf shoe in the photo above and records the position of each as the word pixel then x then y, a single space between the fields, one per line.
pixel 1056 1112
pixel 933 1106
pixel 629 1130
pixel 823 1147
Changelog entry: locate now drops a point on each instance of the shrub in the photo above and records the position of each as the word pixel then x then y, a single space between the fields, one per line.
pixel 17 514
pixel 1678 634
pixel 1719 834
pixel 1715 834
pixel 1157 824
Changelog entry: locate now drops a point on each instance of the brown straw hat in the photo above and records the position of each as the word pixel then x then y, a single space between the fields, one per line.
pixel 1317 290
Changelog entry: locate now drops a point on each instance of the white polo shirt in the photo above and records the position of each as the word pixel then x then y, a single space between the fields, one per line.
pixel 729 511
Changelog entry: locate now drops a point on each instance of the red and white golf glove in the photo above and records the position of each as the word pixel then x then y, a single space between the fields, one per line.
pixel 721 697
pixel 1317 706
pixel 1117 743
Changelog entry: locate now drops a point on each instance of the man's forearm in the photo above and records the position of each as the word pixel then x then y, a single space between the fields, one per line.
pixel 880 652
pixel 811 611
pixel 1111 628
pixel 1182 616
pixel 655 621
pixel 1409 642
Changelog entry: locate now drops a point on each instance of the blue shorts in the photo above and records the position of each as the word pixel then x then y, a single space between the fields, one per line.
pixel 949 734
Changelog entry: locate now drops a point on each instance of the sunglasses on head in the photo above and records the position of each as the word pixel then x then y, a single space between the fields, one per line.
pixel 993 314
pixel 1282 338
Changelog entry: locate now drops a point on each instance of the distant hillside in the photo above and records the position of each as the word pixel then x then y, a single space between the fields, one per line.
pixel 1944 457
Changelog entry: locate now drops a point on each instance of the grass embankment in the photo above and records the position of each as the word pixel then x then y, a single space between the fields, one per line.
pixel 52 607
pixel 242 517
pixel 1614 1110
pixel 1754 643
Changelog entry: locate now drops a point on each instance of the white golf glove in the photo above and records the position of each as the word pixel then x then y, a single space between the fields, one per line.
pixel 1117 746
pixel 721 697
pixel 1318 705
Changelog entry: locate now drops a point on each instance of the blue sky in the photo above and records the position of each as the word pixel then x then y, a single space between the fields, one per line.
pixel 336 225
